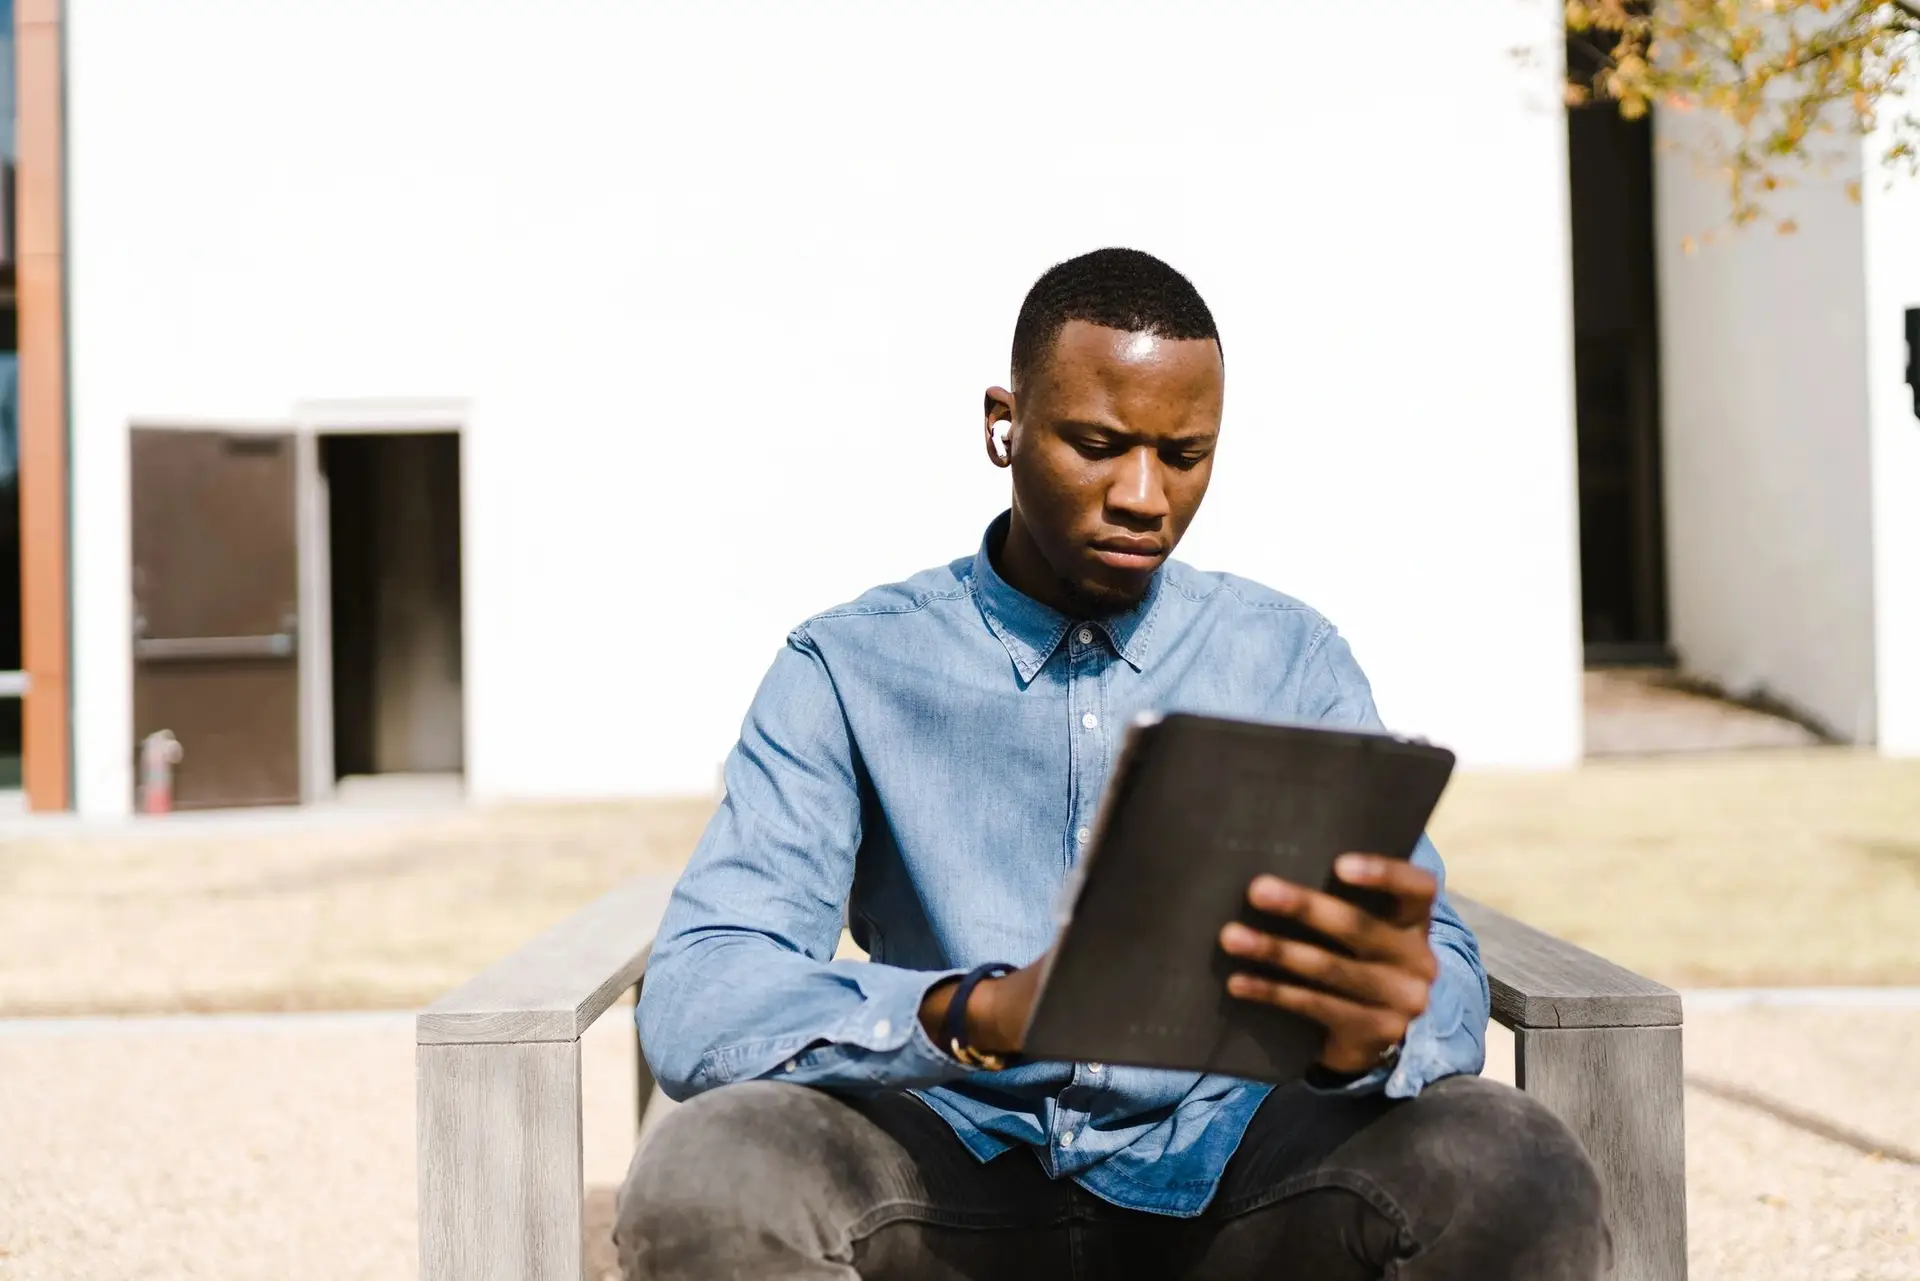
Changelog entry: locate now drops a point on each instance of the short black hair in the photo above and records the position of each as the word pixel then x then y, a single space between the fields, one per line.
pixel 1115 288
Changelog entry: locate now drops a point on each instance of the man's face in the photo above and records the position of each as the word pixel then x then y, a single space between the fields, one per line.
pixel 1111 449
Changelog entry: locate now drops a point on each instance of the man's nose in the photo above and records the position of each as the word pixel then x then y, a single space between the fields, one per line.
pixel 1139 491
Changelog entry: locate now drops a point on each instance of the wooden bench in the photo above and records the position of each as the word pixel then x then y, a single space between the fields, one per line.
pixel 502 1190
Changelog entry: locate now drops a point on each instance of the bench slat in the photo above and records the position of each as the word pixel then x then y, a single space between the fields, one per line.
pixel 1540 981
pixel 553 988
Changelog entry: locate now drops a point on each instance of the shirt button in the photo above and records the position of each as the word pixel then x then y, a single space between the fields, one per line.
pixel 1086 636
pixel 1090 720
pixel 1066 1140
pixel 792 1064
pixel 1084 835
pixel 882 1027
pixel 1095 1068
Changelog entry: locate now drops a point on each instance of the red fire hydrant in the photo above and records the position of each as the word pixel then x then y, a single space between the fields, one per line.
pixel 160 751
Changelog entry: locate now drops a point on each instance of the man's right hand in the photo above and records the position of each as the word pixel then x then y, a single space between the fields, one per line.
pixel 997 1012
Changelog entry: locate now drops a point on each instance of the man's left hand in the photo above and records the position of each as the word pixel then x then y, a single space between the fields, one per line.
pixel 1374 994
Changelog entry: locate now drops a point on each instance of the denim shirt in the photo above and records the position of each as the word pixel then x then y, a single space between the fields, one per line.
pixel 924 764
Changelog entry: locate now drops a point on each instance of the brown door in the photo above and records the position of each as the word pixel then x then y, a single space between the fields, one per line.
pixel 216 588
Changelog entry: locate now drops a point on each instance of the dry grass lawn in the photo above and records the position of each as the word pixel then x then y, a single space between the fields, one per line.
pixel 331 917
pixel 1767 868
pixel 1763 868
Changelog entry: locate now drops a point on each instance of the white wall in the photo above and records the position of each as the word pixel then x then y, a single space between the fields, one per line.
pixel 724 283
pixel 1893 285
pixel 1764 418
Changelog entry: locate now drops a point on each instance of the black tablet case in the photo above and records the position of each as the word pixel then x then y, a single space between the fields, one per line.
pixel 1197 807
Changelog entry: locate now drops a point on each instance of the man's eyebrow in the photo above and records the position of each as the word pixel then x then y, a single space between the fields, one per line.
pixel 1121 436
pixel 1104 429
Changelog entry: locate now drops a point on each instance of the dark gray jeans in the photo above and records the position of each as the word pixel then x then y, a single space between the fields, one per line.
pixel 1472 1181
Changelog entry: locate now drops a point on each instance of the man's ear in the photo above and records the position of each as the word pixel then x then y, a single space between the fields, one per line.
pixel 999 409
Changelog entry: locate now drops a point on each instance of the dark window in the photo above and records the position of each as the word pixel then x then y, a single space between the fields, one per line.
pixel 1616 376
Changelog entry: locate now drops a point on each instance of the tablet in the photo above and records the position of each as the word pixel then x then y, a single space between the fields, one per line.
pixel 1196 808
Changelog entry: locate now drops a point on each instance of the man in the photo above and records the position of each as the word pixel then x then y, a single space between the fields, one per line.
pixel 925 764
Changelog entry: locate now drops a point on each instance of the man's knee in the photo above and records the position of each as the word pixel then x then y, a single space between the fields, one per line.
pixel 736 1150
pixel 1502 1164
pixel 748 1163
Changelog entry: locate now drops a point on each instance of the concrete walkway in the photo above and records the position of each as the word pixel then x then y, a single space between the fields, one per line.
pixel 1649 712
pixel 256 1146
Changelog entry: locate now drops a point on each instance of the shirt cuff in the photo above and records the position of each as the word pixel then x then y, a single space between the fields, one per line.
pixel 888 1024
pixel 1442 1042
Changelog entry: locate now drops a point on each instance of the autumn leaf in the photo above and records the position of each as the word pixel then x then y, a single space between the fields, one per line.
pixel 1785 74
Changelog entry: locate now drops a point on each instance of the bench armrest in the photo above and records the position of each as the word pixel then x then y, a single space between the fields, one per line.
pixel 497 1072
pixel 1599 1046
pixel 1540 981
pixel 553 988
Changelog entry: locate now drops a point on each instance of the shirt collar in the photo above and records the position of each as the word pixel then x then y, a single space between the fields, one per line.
pixel 1032 631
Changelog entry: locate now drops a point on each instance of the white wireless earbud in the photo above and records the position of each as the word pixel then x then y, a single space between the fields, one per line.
pixel 1002 430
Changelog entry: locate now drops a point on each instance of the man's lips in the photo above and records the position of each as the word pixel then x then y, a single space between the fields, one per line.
pixel 1129 554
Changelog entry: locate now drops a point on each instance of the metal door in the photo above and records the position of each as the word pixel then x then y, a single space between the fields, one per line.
pixel 216 585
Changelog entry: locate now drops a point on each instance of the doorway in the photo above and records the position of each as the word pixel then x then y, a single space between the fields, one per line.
pixel 1617 386
pixel 392 514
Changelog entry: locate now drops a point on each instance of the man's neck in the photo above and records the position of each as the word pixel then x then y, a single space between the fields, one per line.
pixel 1019 563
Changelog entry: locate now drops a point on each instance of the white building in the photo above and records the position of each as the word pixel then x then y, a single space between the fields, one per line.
pixel 699 302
